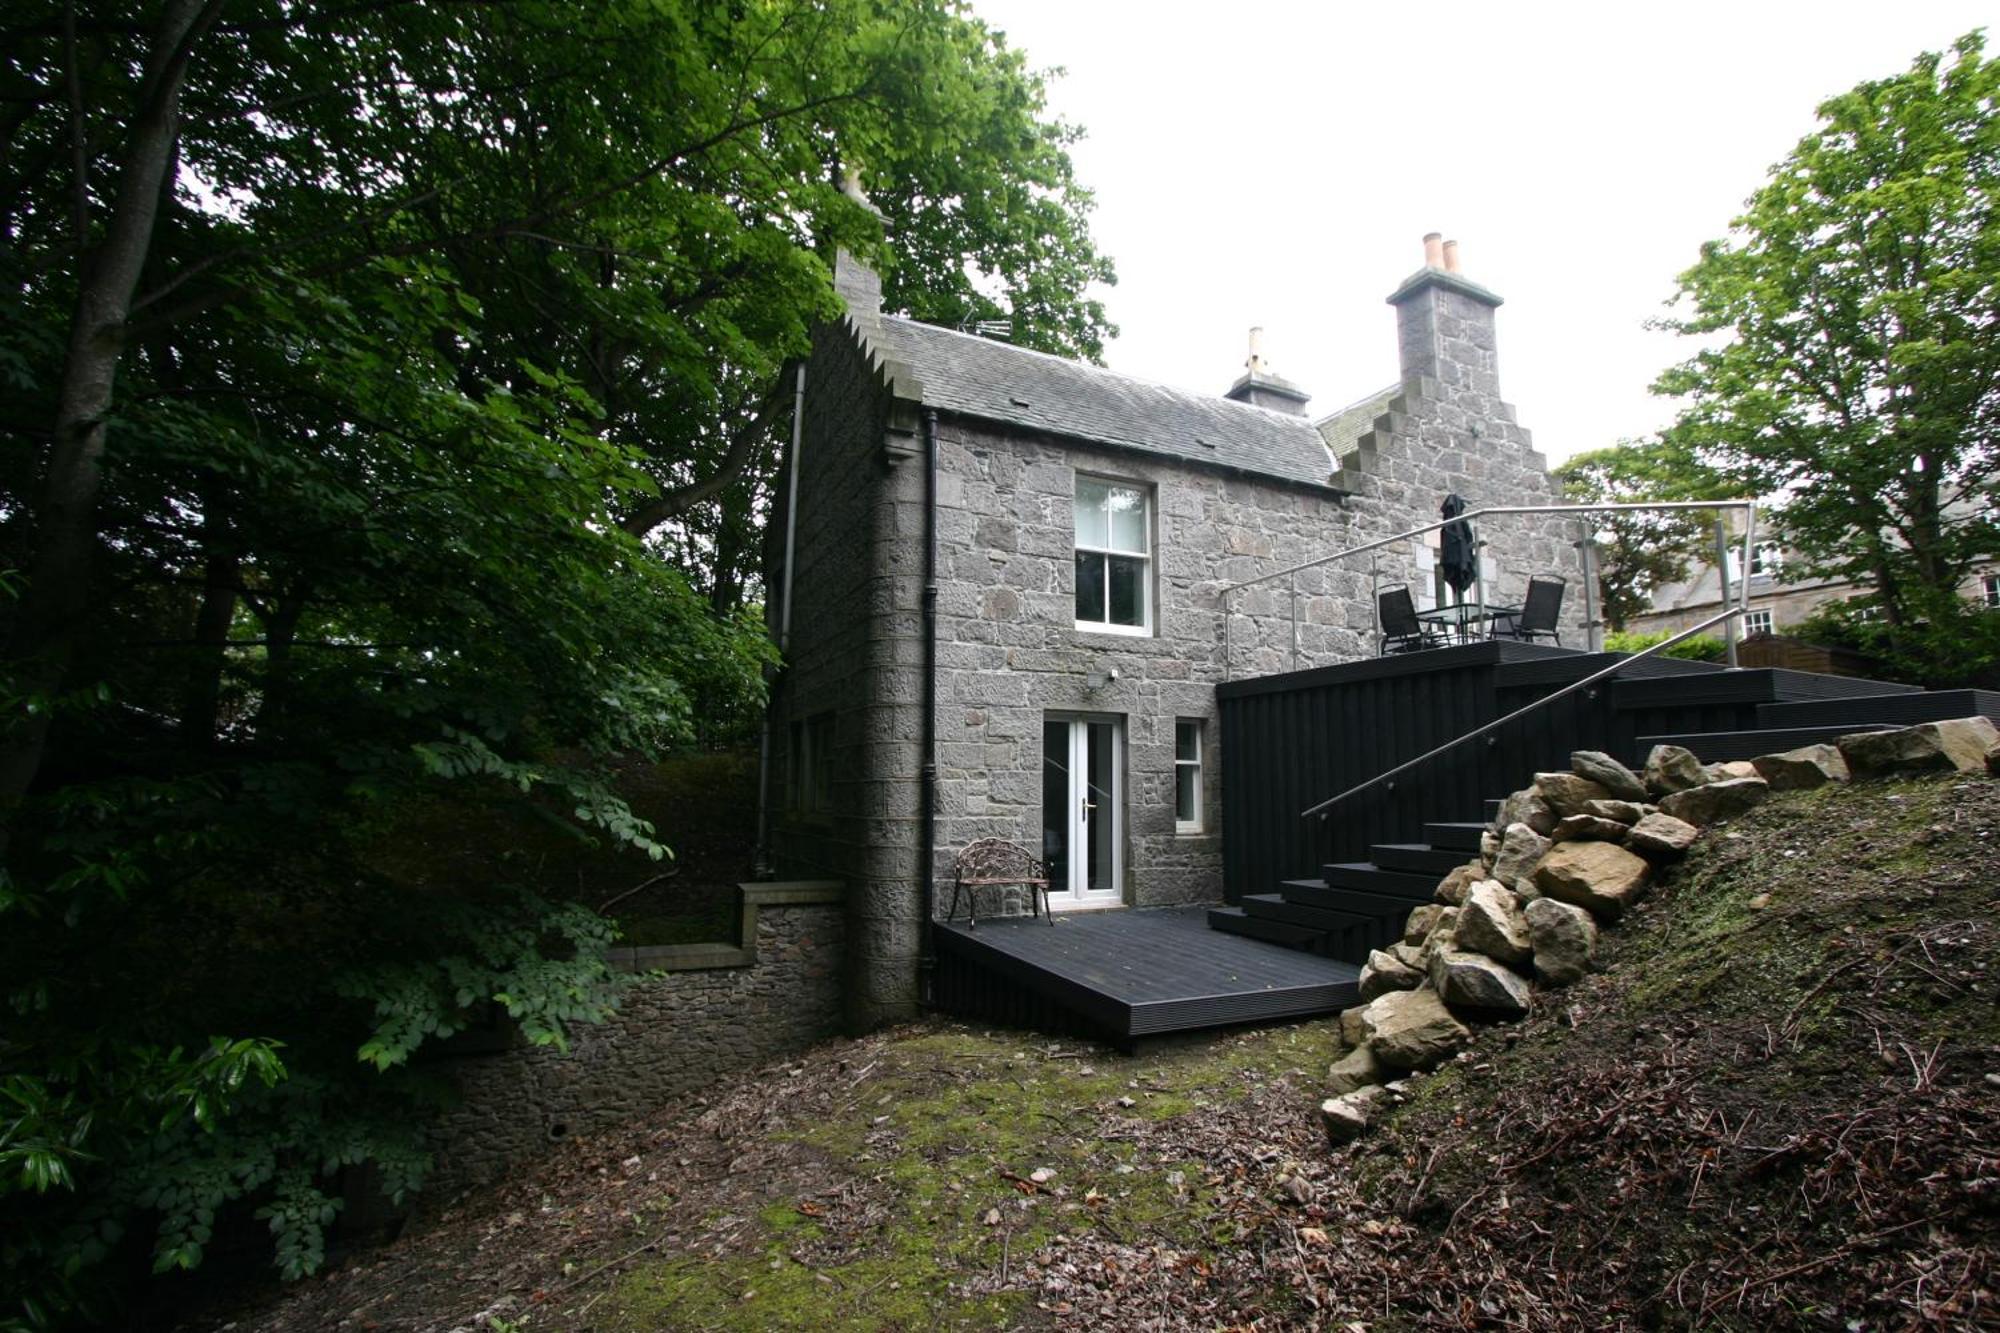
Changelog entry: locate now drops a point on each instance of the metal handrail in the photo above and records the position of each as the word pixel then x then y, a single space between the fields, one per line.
pixel 1609 507
pixel 1523 711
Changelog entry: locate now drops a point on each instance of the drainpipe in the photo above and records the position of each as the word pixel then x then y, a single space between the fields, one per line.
pixel 927 816
pixel 761 867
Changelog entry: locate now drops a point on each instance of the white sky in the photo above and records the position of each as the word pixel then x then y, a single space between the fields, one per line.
pixel 1278 164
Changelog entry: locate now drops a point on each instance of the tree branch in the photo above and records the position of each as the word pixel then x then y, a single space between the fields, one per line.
pixel 742 447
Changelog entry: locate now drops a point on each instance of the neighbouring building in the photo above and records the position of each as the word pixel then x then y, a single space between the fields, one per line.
pixel 1058 661
pixel 1776 604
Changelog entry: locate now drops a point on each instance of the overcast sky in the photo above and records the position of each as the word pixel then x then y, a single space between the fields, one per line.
pixel 1279 163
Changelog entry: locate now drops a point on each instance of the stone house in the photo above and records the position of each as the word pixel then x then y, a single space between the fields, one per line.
pixel 1777 604
pixel 1002 581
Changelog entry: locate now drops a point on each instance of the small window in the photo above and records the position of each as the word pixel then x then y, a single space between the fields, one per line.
pixel 1187 775
pixel 1766 559
pixel 1756 622
pixel 1114 577
pixel 809 783
pixel 1990 585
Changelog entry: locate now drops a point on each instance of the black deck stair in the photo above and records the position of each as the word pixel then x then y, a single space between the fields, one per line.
pixel 1721 715
pixel 1456 837
pixel 1715 747
pixel 1900 710
pixel 1416 858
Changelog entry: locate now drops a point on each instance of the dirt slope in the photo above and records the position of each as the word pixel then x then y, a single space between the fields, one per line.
pixel 1778 1107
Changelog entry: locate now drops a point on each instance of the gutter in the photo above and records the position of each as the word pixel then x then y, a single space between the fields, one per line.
pixel 927 812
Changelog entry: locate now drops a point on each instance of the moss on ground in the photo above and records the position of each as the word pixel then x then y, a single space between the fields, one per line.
pixel 956 1125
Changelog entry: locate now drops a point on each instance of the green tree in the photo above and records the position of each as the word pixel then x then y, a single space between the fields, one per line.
pixel 386 390
pixel 1643 551
pixel 1858 381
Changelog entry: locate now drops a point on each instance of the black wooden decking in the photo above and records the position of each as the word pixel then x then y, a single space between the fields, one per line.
pixel 1128 974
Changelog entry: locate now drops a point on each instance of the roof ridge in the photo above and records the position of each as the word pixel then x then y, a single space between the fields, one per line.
pixel 1095 369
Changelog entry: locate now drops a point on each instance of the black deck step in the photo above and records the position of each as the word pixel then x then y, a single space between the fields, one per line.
pixel 1379 906
pixel 1715 747
pixel 1348 935
pixel 1900 709
pixel 1235 921
pixel 1371 878
pixel 1277 907
pixel 1416 858
pixel 1456 837
pixel 1756 685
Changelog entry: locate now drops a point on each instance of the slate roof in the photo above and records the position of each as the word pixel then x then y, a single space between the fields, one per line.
pixel 998 382
pixel 1343 430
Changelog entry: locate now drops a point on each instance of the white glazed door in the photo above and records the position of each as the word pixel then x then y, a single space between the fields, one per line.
pixel 1082 811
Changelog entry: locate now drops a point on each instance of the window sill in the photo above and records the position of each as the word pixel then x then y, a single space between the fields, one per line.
pixel 1118 631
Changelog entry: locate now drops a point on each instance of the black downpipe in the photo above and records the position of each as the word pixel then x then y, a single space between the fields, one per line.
pixel 927 817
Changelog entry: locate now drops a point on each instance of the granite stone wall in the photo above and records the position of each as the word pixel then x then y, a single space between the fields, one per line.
pixel 1448 430
pixel 722 1008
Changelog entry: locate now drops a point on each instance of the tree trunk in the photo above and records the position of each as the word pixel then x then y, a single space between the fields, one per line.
pixel 44 640
pixel 221 577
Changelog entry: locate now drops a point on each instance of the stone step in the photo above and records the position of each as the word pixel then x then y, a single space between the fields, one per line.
pixel 1456 837
pixel 1416 858
pixel 1715 747
pixel 1371 878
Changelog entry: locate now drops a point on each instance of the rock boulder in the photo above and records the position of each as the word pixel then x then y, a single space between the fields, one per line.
pixel 1354 1071
pixel 1590 828
pixel 1451 889
pixel 1520 848
pixel 1565 940
pixel 1702 806
pixel 1411 1029
pixel 1478 983
pixel 1600 876
pixel 1669 769
pixel 1526 806
pixel 1661 837
pixel 1490 922
pixel 1385 972
pixel 1608 773
pixel 1619 812
pixel 1567 794
pixel 1346 1118
pixel 1423 920
pixel 1961 745
pixel 1803 768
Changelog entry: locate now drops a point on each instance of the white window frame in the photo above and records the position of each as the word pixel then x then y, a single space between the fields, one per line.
pixel 1195 765
pixel 1757 622
pixel 1144 628
pixel 1766 559
pixel 1990 585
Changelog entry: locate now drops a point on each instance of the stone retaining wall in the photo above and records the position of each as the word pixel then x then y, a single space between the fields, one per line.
pixel 706 1010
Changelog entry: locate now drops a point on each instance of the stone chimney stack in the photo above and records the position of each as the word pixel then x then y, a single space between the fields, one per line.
pixel 1260 388
pixel 1444 323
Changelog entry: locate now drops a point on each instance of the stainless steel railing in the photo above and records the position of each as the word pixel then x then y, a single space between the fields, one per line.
pixel 1584 683
pixel 1749 508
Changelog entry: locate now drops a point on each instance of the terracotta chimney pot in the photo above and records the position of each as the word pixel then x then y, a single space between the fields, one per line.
pixel 1434 250
pixel 1451 256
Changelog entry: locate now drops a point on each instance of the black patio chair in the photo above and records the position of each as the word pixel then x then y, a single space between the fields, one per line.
pixel 1402 632
pixel 1541 612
